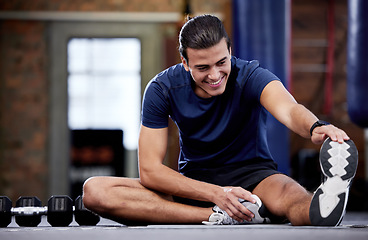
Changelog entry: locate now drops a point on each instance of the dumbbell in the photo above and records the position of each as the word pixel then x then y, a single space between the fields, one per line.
pixel 59 211
pixel 83 216
pixel 5 211
pixel 28 211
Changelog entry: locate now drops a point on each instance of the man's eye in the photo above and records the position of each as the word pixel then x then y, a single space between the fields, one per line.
pixel 221 63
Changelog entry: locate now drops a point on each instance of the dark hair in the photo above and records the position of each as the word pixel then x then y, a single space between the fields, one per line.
pixel 201 32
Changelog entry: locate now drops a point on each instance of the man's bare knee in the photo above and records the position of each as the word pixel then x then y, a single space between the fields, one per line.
pixel 281 194
pixel 292 193
pixel 92 193
pixel 99 193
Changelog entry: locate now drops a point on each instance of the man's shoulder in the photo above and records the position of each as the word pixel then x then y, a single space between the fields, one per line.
pixel 168 81
pixel 244 67
pixel 244 64
pixel 245 70
pixel 173 76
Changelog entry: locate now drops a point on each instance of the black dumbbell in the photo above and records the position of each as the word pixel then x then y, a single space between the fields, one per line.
pixel 5 211
pixel 28 211
pixel 83 216
pixel 59 211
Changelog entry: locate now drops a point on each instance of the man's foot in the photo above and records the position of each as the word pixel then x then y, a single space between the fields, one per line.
pixel 338 163
pixel 220 217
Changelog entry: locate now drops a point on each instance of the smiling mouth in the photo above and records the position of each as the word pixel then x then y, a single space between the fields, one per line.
pixel 217 83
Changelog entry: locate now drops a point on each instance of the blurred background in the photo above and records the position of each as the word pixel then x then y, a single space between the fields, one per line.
pixel 72 75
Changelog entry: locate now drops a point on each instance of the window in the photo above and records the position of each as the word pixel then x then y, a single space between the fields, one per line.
pixel 104 85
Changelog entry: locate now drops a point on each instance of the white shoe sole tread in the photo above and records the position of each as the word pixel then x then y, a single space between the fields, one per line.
pixel 338 164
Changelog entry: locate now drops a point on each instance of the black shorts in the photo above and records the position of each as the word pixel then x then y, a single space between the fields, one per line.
pixel 245 174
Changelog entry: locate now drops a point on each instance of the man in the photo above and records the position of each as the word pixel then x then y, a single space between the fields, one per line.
pixel 227 174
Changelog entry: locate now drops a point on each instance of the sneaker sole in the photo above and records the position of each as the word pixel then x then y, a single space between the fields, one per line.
pixel 338 163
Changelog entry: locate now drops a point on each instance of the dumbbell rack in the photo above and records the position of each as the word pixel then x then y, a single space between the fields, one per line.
pixel 59 211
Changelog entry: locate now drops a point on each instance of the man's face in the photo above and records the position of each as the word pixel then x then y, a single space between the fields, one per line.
pixel 210 69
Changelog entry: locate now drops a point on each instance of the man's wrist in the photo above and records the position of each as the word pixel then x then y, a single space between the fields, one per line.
pixel 318 124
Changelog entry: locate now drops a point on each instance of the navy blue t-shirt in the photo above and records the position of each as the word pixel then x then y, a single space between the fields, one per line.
pixel 213 131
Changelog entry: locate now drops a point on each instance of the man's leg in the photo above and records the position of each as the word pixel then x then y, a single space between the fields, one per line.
pixel 285 197
pixel 127 201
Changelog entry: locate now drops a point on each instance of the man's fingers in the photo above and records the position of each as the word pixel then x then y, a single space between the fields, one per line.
pixel 245 211
pixel 337 135
pixel 321 133
pixel 240 214
pixel 236 209
pixel 238 192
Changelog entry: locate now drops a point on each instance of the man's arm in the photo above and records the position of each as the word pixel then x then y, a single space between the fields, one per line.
pixel 156 176
pixel 281 104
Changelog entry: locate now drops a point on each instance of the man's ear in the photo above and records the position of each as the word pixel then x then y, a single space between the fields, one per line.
pixel 185 64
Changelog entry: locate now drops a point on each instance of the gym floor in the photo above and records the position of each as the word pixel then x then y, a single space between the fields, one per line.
pixel 354 226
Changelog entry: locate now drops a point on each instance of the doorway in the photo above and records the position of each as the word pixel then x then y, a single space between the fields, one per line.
pixel 104 88
pixel 73 91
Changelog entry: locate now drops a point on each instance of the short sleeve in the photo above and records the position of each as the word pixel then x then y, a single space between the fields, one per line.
pixel 261 79
pixel 256 79
pixel 155 107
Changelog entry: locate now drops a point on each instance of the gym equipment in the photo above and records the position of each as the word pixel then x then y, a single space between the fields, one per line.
pixel 5 211
pixel 357 57
pixel 83 216
pixel 59 211
pixel 28 211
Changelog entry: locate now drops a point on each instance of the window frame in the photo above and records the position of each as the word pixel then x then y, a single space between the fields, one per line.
pixel 120 76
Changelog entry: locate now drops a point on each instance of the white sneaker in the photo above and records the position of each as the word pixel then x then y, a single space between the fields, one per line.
pixel 220 217
pixel 339 163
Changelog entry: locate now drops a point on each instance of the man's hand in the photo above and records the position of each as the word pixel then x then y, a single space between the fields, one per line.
pixel 229 202
pixel 320 134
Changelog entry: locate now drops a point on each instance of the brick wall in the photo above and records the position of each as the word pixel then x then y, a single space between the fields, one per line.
pixel 23 107
pixel 115 5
